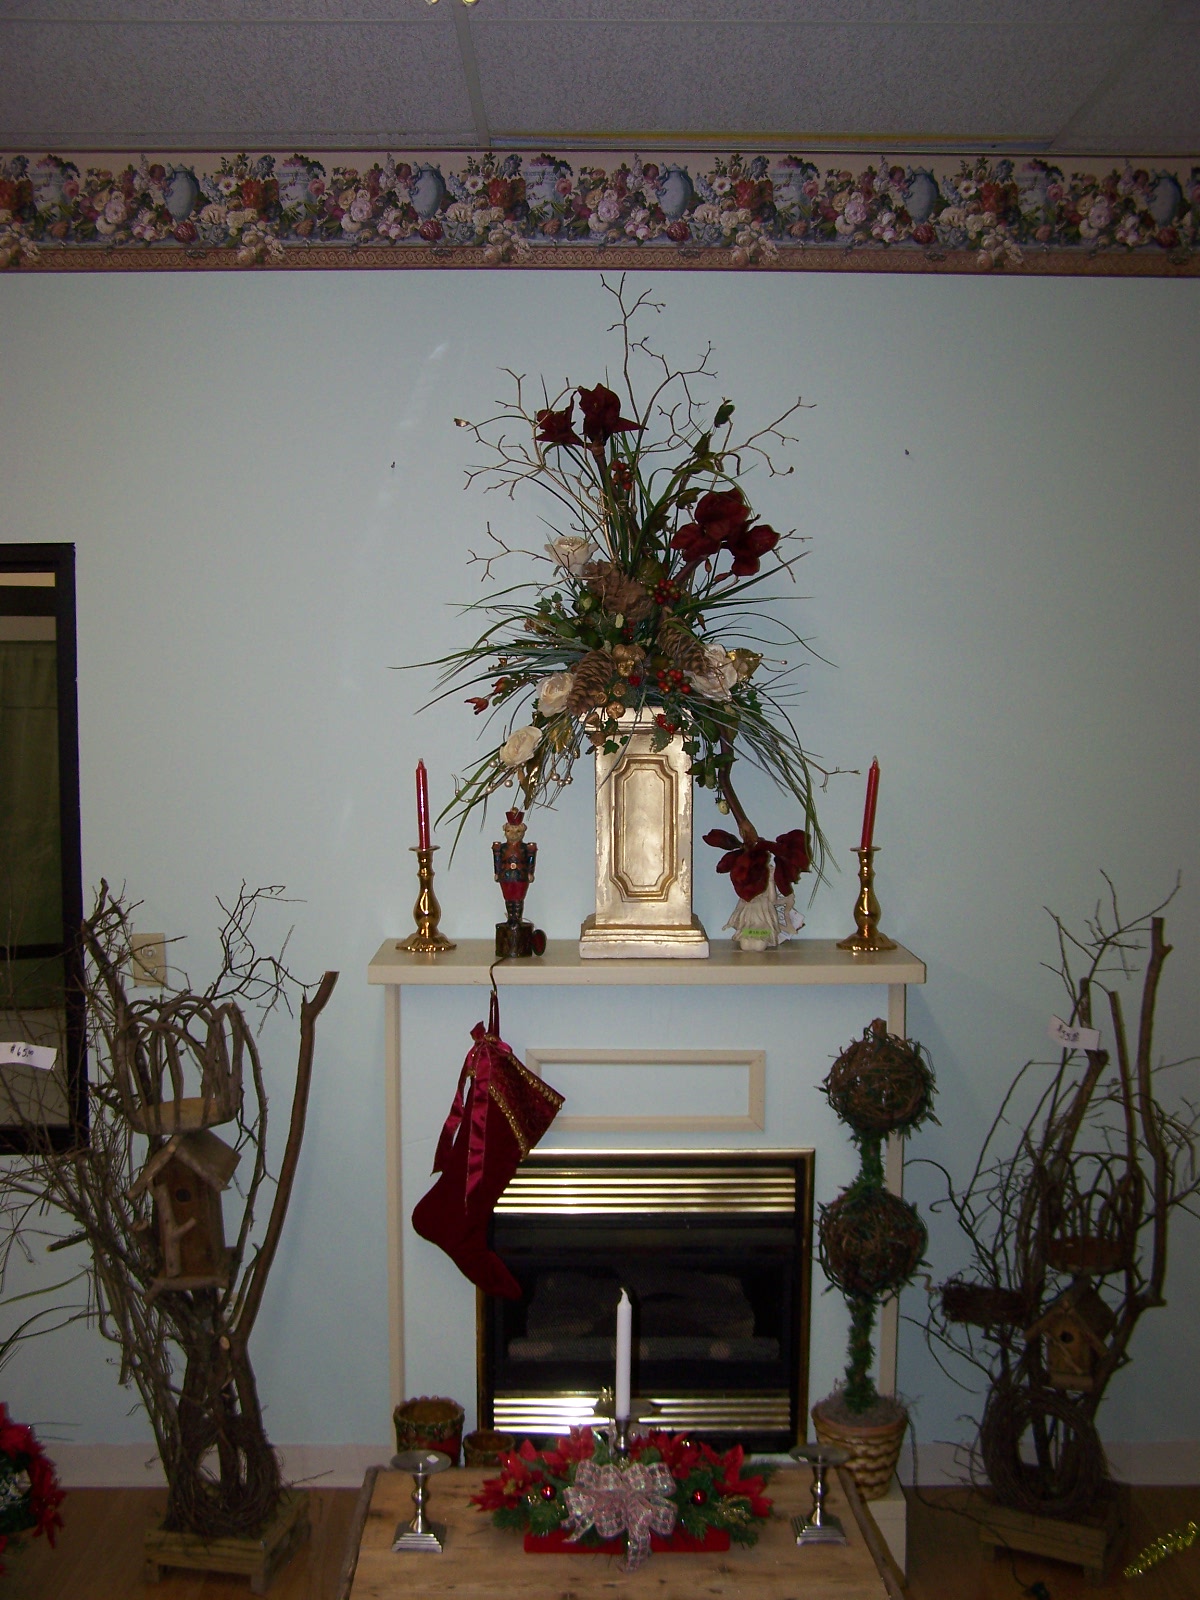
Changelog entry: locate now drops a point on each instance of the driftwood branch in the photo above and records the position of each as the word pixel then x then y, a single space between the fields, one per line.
pixel 310 1010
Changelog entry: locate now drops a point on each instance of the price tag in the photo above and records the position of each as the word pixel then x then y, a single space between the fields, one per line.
pixel 1074 1038
pixel 20 1054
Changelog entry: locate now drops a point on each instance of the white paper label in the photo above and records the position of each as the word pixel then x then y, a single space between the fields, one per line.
pixel 20 1054
pixel 1074 1038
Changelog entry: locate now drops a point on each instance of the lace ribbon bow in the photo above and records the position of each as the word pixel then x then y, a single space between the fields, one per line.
pixel 631 1499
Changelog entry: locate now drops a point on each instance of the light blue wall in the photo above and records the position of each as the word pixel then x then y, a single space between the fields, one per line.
pixel 264 483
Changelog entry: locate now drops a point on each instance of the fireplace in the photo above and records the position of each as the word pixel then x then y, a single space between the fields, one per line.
pixel 714 1248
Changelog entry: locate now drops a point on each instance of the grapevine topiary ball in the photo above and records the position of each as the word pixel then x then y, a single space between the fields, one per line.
pixel 871 1241
pixel 881 1083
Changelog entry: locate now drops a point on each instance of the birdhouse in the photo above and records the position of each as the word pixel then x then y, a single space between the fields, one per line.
pixel 186 1178
pixel 1074 1331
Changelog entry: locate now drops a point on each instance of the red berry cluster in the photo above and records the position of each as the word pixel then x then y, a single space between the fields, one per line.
pixel 665 725
pixel 671 680
pixel 665 592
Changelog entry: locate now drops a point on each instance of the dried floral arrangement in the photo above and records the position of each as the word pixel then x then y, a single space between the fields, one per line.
pixel 182 1329
pixel 1066 1216
pixel 669 1483
pixel 656 595
pixel 30 1495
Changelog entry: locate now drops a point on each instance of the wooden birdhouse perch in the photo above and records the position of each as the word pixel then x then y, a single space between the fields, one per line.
pixel 1074 1330
pixel 186 1178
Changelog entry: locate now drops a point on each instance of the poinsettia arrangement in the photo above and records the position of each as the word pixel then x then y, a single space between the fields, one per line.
pixel 682 1483
pixel 657 593
pixel 29 1489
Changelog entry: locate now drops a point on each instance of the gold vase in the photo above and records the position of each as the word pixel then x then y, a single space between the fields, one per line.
pixel 643 851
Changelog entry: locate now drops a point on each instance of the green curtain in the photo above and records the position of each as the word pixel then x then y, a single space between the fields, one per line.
pixel 30 849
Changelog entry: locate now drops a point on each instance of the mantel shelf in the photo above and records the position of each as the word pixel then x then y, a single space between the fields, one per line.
pixel 801 961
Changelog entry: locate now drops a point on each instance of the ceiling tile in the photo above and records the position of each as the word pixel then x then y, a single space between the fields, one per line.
pixel 895 84
pixel 227 83
pixel 1155 100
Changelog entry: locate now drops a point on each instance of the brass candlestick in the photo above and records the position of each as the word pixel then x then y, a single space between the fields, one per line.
pixel 427 940
pixel 820 1526
pixel 866 910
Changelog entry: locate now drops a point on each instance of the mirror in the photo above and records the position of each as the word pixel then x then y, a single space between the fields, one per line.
pixel 43 1084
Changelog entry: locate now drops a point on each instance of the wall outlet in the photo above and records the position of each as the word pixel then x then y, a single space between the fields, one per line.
pixel 148 960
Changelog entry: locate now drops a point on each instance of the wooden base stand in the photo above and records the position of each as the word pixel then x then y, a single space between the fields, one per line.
pixel 258 1559
pixel 1092 1542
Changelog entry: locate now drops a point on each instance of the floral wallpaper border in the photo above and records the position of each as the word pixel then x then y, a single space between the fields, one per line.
pixel 96 212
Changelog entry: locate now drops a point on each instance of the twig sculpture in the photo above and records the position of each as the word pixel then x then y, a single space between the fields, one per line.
pixel 1068 1234
pixel 145 1195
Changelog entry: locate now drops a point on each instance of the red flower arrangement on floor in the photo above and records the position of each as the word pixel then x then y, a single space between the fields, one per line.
pixel 670 1493
pixel 29 1490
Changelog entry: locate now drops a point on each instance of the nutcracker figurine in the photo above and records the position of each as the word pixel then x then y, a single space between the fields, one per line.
pixel 514 863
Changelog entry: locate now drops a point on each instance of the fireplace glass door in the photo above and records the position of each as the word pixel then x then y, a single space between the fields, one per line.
pixel 714 1249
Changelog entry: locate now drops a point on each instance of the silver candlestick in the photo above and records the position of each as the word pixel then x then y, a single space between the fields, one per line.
pixel 420 1536
pixel 820 1526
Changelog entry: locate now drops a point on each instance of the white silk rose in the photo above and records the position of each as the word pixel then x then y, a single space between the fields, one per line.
pixel 555 693
pixel 719 675
pixel 571 552
pixel 520 746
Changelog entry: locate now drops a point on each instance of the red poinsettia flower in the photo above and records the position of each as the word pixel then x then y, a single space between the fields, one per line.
pixel 19 1444
pixel 578 1445
pixel 679 1453
pixel 602 415
pixel 557 427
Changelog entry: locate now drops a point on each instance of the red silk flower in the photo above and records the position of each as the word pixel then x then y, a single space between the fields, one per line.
pixel 720 515
pixel 602 415
pixel 557 427
pixel 749 865
pixel 747 545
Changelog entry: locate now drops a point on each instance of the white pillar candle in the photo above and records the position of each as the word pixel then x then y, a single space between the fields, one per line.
pixel 624 1355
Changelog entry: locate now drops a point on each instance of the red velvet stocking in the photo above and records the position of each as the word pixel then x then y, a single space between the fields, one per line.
pixel 500 1112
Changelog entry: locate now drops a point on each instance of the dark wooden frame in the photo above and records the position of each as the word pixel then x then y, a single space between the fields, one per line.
pixel 60 558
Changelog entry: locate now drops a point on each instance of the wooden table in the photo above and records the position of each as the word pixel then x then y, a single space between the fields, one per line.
pixel 481 1562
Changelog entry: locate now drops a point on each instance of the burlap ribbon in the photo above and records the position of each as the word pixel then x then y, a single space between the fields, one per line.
pixel 631 1499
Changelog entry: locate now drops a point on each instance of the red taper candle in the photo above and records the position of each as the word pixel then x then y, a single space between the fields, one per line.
pixel 422 807
pixel 868 832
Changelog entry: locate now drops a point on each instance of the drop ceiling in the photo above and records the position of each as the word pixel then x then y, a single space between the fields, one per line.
pixel 1055 76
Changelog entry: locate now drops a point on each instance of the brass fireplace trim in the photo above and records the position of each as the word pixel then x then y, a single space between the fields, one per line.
pixel 585 1191
pixel 591 1183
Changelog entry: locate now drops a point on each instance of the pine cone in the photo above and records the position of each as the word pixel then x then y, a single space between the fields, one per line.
pixel 591 679
pixel 617 592
pixel 680 646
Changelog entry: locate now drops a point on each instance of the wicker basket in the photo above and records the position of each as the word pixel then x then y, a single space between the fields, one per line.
pixel 874 1447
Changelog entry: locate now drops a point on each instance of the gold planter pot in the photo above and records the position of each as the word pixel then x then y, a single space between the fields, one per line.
pixel 643 852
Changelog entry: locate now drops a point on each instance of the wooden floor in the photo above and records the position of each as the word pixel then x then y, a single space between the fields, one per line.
pixel 99 1554
pixel 947 1562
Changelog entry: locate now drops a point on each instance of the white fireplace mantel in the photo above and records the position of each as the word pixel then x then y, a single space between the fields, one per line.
pixel 801 962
